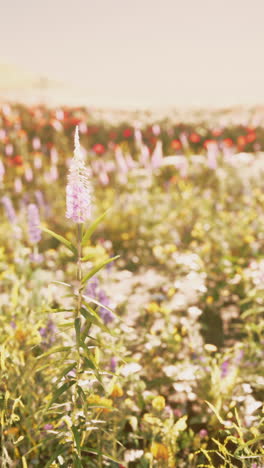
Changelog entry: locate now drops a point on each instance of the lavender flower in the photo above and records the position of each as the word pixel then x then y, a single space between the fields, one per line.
pixel 18 185
pixel 9 209
pixel 36 144
pixel 34 231
pixel 212 151
pixel 9 149
pixel 48 334
pixel 113 364
pixel 78 190
pixel 157 155
pixel 28 174
pixel 38 162
pixel 93 290
pixel 224 369
pixel 2 171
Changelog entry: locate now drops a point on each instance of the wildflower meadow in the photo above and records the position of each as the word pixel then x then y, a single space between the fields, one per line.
pixel 132 288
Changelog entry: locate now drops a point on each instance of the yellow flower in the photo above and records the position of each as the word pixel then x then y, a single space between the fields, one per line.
pixel 104 404
pixel 152 307
pixel 170 248
pixel 157 250
pixel 125 235
pixel 117 391
pixel 171 292
pixel 158 403
pixel 20 336
pixel 249 239
pixel 159 451
pixel 209 300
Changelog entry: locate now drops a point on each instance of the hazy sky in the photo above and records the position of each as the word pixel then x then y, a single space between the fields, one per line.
pixel 142 52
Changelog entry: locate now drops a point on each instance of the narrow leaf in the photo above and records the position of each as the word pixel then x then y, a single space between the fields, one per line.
pixel 66 370
pixel 93 227
pixel 60 391
pixel 77 326
pixel 97 268
pixel 77 439
pixel 61 239
pixel 98 452
pixel 60 349
pixel 95 321
pixel 54 456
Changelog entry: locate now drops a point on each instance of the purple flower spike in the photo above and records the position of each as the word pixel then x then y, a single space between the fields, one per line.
pixel 78 190
pixel 224 368
pixel 9 209
pixel 113 364
pixel 34 232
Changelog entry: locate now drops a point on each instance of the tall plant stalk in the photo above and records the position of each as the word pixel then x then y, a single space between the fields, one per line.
pixel 77 318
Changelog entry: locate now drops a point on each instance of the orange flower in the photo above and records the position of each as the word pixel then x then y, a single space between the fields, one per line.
pixel 251 137
pixel 100 403
pixel 195 138
pixel 208 142
pixel 176 144
pixel 159 451
pixel 228 142
pixel 241 141
pixel 117 391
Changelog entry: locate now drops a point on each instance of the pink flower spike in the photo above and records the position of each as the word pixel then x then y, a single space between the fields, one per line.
pixel 78 190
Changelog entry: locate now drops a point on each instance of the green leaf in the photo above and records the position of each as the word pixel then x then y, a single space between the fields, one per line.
pixel 54 456
pixel 95 321
pixel 61 239
pixel 60 391
pixel 56 311
pixel 98 452
pixel 89 364
pixel 77 326
pixel 99 304
pixel 59 349
pixel 77 463
pixel 92 312
pixel 77 439
pixel 93 227
pixel 217 414
pixel 97 268
pixel 88 257
pixel 66 370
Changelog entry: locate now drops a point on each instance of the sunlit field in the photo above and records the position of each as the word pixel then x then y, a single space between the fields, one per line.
pixel 132 288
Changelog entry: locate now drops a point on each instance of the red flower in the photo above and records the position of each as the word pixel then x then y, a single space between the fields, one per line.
pixel 17 160
pixel 194 138
pixel 176 144
pixel 228 142
pixel 241 141
pixel 216 132
pixel 208 142
pixel 98 148
pixel 251 136
pixel 127 133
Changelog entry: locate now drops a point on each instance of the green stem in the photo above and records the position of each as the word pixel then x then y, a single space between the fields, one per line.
pixel 99 444
pixel 78 309
pixel 79 268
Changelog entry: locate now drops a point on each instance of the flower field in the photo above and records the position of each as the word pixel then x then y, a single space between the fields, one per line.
pixel 132 289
